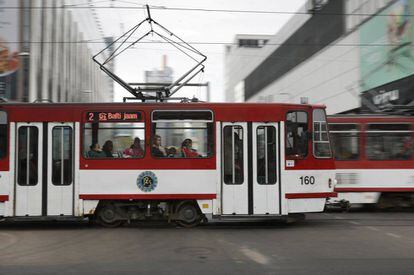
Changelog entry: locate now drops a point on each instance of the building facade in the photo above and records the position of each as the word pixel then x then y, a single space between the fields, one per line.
pixel 350 55
pixel 46 50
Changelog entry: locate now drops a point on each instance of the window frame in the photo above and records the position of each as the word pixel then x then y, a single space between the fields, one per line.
pixel 367 132
pixel 307 138
pixel 207 121
pixel 266 152
pixel 321 132
pixel 243 174
pixel 28 141
pixel 358 132
pixel 85 121
pixel 72 156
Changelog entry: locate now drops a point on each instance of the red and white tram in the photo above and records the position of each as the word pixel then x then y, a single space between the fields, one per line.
pixel 374 159
pixel 185 162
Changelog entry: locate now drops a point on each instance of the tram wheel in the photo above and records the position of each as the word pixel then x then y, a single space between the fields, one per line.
pixel 107 217
pixel 188 215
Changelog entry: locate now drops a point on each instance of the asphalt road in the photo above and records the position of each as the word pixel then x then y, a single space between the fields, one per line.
pixel 327 243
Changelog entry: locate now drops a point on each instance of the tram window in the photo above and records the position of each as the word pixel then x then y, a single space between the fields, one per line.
pixel 118 140
pixel 27 155
pixel 296 134
pixel 182 134
pixel 321 145
pixel 3 134
pixel 233 154
pixel 345 141
pixel 62 155
pixel 266 155
pixel 389 142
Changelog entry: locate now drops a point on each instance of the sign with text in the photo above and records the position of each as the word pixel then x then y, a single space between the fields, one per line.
pixel 113 116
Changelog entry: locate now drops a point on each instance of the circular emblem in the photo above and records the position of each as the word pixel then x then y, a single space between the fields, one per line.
pixel 147 181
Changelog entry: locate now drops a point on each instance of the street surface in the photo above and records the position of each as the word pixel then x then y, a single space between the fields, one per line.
pixel 326 243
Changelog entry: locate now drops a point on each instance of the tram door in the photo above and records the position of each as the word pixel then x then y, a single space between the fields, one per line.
pixel 28 186
pixel 60 169
pixel 44 169
pixel 250 168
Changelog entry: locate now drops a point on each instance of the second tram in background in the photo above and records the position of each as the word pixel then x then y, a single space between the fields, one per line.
pixel 374 159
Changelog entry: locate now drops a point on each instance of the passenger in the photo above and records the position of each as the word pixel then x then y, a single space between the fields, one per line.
pixel 157 150
pixel 187 150
pixel 95 151
pixel 135 151
pixel 107 149
pixel 171 152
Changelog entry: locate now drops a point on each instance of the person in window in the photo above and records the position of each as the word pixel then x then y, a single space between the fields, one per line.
pixel 171 152
pixel 95 151
pixel 107 149
pixel 157 150
pixel 187 150
pixel 135 151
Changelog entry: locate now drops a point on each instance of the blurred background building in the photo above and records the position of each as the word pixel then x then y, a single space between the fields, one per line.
pixel 350 55
pixel 46 52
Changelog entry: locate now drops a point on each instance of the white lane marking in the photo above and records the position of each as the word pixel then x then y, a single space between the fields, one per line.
pixel 255 255
pixel 354 222
pixel 373 228
pixel 394 235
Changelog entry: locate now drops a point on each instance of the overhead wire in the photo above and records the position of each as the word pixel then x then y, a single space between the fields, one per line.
pixel 166 8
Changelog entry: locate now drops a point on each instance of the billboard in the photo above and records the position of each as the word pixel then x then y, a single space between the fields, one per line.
pixel 9 48
pixel 387 52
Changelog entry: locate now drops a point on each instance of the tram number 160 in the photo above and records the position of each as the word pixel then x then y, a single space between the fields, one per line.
pixel 306 180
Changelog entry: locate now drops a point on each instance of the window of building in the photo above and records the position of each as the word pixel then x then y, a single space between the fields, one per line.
pixel 233 154
pixel 297 134
pixel 116 135
pixel 266 154
pixel 3 134
pixel 389 142
pixel 249 43
pixel 321 145
pixel 182 134
pixel 345 141
pixel 62 155
pixel 27 155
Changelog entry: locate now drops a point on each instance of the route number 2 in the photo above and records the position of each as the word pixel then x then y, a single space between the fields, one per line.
pixel 306 180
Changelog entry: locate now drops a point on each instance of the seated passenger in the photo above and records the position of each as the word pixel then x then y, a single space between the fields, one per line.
pixel 187 150
pixel 107 149
pixel 157 150
pixel 135 151
pixel 171 152
pixel 95 151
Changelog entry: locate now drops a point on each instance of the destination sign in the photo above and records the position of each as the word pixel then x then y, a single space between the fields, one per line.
pixel 113 116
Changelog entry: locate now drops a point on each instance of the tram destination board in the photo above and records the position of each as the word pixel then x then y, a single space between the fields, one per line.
pixel 113 116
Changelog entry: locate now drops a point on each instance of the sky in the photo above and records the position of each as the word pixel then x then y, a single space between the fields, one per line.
pixel 191 26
